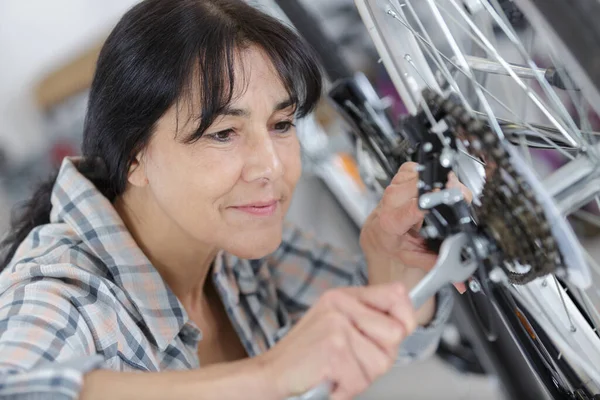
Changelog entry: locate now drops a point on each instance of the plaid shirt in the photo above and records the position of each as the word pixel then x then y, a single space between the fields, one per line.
pixel 80 295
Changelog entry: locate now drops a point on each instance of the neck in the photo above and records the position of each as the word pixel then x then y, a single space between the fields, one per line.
pixel 182 262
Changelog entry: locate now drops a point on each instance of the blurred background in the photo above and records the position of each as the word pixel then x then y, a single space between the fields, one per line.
pixel 48 50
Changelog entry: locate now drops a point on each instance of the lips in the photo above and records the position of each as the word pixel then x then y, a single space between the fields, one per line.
pixel 259 208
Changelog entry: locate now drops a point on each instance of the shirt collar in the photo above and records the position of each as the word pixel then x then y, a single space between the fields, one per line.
pixel 78 203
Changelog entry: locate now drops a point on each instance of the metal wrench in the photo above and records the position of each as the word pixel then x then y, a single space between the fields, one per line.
pixel 449 268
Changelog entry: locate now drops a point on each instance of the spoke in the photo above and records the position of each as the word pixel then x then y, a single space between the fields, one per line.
pixel 528 125
pixel 509 97
pixel 584 111
pixel 562 299
pixel 524 103
pixel 543 83
pixel 409 60
pixel 526 152
pixel 435 55
pixel 477 84
pixel 531 127
pixel 494 53
pixel 484 64
pixel 552 131
pixel 493 67
pixel 463 63
pixel 499 17
pixel 428 113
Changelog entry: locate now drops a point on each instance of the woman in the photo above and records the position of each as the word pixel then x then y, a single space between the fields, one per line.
pixel 163 248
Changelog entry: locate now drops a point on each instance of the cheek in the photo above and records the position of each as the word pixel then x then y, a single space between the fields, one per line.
pixel 290 158
pixel 190 184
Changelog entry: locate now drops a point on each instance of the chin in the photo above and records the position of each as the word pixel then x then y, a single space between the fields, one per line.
pixel 255 245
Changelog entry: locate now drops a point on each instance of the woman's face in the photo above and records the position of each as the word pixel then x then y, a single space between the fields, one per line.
pixel 230 189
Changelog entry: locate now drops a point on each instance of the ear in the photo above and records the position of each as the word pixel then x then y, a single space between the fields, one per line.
pixel 137 172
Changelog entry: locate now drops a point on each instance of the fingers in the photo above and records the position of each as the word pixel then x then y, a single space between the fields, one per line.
pixel 372 360
pixel 399 220
pixel 407 178
pixel 460 287
pixel 391 298
pixel 347 373
pixel 399 193
pixel 399 211
pixel 453 182
pixel 382 329
pixel 425 261
pixel 408 167
pixel 421 260
pixel 368 363
pixel 349 338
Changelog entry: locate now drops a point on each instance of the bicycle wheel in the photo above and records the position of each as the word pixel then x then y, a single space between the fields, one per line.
pixel 468 77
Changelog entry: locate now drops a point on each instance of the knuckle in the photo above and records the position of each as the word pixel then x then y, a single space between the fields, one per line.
pixel 331 297
pixel 415 324
pixel 398 338
pixel 397 334
pixel 383 365
pixel 337 342
pixel 386 222
pixel 411 323
pixel 388 193
pixel 394 298
pixel 399 291
pixel 337 322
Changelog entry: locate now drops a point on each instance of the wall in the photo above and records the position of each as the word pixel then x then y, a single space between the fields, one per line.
pixel 35 37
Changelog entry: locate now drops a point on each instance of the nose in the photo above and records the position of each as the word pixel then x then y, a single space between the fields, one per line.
pixel 263 160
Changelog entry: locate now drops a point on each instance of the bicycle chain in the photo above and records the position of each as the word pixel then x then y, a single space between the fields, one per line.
pixel 509 213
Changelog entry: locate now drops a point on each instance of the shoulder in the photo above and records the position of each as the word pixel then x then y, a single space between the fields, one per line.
pixel 62 286
pixel 55 273
pixel 52 250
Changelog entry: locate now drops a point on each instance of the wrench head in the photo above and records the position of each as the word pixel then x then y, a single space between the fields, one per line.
pixel 450 262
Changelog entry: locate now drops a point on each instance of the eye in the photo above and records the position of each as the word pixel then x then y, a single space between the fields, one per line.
pixel 223 136
pixel 284 126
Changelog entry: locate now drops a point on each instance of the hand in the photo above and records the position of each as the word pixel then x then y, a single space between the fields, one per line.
pixel 390 237
pixel 349 338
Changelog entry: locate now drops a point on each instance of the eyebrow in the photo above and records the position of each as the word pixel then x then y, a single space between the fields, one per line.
pixel 240 112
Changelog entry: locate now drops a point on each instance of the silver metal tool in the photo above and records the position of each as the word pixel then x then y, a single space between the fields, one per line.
pixel 319 392
pixel 449 268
